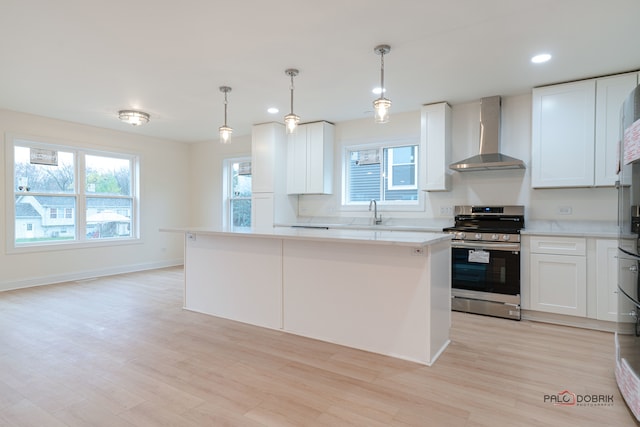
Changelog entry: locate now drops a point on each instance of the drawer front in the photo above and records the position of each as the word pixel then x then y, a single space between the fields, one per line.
pixel 558 245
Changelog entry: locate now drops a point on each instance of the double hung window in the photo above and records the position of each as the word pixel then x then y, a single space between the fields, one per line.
pixel 65 195
pixel 238 193
pixel 385 173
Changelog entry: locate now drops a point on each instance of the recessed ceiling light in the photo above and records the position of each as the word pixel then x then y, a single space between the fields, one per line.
pixel 272 110
pixel 539 59
pixel 378 90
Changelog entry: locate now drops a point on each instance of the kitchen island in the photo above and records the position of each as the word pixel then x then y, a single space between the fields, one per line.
pixel 386 292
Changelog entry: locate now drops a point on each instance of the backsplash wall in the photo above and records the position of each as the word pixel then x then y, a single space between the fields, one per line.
pixel 483 187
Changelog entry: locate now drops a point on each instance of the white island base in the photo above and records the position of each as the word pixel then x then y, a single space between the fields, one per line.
pixel 384 292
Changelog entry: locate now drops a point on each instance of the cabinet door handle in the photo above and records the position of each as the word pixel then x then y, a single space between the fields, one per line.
pixel 633 268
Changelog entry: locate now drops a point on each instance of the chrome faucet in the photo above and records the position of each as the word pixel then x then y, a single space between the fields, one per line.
pixel 376 219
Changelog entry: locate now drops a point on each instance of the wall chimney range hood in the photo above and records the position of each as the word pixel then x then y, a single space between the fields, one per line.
pixel 489 158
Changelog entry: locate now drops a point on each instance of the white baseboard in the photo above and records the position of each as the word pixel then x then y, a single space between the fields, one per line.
pixel 574 321
pixel 87 274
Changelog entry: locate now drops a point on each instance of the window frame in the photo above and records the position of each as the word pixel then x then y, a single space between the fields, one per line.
pixel 227 185
pixel 390 185
pixel 385 206
pixel 80 195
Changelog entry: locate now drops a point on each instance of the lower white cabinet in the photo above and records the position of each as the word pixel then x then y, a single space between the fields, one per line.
pixel 558 277
pixel 576 276
pixel 262 211
pixel 607 279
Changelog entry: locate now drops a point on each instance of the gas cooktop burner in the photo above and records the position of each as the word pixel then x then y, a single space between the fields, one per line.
pixel 487 219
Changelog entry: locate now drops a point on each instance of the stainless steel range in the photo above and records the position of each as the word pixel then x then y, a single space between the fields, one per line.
pixel 485 260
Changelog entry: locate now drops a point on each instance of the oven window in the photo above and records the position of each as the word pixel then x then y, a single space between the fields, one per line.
pixel 500 275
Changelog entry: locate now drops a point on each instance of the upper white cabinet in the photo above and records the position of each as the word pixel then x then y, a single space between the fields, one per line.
pixel 610 94
pixel 267 146
pixel 575 131
pixel 562 135
pixel 435 147
pixel 310 159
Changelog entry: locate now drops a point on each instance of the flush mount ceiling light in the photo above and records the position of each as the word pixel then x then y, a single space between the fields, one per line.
pixel 133 117
pixel 291 120
pixel 382 105
pixel 225 131
pixel 541 58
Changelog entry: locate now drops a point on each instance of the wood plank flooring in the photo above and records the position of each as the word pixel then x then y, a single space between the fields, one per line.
pixel 120 351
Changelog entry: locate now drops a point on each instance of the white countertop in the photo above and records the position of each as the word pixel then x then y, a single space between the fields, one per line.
pixel 596 229
pixel 384 237
pixel 432 225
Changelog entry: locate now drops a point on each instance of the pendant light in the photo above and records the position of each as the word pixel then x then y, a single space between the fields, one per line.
pixel 382 105
pixel 291 120
pixel 225 131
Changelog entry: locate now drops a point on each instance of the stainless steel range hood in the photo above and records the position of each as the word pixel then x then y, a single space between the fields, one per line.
pixel 489 158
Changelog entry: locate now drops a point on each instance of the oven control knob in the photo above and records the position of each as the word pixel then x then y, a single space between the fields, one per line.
pixel 462 235
pixel 478 236
pixel 494 237
pixel 506 237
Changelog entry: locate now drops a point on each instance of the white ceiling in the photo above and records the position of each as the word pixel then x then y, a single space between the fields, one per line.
pixel 83 60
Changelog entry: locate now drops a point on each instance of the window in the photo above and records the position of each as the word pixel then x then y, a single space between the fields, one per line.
pixel 52 183
pixel 238 193
pixel 385 173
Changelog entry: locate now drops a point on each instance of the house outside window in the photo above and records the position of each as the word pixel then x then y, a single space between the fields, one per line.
pixel 387 173
pixel 62 180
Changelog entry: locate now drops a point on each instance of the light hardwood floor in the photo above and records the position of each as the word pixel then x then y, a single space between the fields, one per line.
pixel 120 351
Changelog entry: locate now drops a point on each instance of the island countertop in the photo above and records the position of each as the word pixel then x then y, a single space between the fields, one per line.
pixel 383 237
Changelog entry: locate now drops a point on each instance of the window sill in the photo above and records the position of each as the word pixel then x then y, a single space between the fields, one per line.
pixel 65 246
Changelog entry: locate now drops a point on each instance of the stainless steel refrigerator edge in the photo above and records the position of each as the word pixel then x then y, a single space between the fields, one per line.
pixel 627 339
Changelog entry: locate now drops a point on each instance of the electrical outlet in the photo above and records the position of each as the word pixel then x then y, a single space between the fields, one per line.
pixel 446 211
pixel 565 210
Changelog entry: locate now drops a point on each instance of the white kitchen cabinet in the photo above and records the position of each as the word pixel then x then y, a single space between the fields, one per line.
pixel 607 279
pixel 610 94
pixel 267 146
pixel 310 159
pixel 269 201
pixel 575 132
pixel 562 135
pixel 435 147
pixel 558 275
pixel 262 211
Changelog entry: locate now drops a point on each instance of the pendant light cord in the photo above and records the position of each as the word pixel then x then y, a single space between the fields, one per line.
pixel 225 109
pixel 382 74
pixel 291 88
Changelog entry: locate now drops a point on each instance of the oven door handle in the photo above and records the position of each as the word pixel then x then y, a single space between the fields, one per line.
pixel 490 246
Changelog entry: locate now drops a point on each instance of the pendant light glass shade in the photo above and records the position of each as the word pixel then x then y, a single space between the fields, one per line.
pixel 225 134
pixel 225 131
pixel 291 120
pixel 381 108
pixel 382 105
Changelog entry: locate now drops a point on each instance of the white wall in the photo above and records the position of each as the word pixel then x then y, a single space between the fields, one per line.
pixel 164 194
pixel 482 187
pixel 205 178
